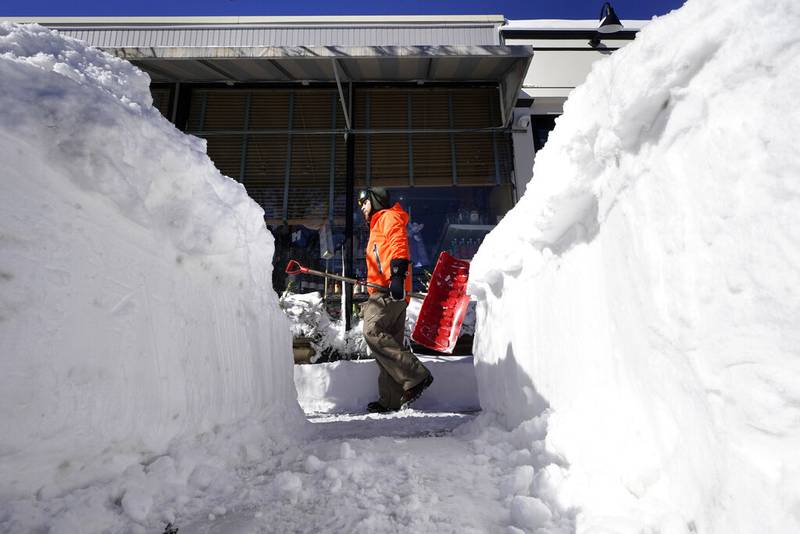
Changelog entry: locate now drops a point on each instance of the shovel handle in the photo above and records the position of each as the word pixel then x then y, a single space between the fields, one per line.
pixel 294 267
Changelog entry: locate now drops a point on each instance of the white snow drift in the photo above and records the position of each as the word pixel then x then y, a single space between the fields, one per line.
pixel 135 297
pixel 646 289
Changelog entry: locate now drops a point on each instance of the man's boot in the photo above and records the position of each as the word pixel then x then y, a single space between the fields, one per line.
pixel 376 407
pixel 414 393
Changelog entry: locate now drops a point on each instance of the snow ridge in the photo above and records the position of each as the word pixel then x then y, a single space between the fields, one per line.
pixel 136 306
pixel 643 293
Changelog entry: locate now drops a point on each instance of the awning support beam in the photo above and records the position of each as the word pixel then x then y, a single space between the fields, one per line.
pixel 345 108
pixel 500 91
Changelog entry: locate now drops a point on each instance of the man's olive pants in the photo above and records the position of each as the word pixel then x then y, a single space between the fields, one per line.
pixel 384 325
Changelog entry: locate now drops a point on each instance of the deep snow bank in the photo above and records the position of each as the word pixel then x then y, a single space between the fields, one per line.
pixel 135 296
pixel 646 287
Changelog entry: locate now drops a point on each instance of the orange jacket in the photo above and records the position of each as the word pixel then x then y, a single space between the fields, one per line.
pixel 388 240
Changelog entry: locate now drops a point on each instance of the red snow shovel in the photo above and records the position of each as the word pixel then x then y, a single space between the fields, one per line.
pixel 443 307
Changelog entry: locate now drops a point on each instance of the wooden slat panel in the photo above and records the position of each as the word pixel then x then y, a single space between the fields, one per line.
pixel 474 158
pixel 225 110
pixel 473 107
pixel 476 108
pixel 312 109
pixel 389 157
pixel 310 162
pixel 309 178
pixel 265 171
pixel 269 109
pixel 429 108
pixel 432 160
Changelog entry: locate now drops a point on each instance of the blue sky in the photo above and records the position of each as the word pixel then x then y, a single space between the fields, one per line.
pixel 512 9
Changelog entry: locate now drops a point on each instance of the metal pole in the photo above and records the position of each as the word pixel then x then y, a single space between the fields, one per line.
pixel 183 103
pixel 368 139
pixel 175 97
pixel 410 142
pixel 203 105
pixel 288 168
pixel 350 200
pixel 494 146
pixel 331 185
pixel 243 159
pixel 346 110
pixel 450 122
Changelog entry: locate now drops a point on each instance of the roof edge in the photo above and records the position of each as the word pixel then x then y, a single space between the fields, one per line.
pixel 567 25
pixel 338 19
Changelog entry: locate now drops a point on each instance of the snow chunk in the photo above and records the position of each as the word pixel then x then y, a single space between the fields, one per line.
pixel 313 464
pixel 288 484
pixel 137 503
pixel 529 512
pixel 519 482
pixel 346 451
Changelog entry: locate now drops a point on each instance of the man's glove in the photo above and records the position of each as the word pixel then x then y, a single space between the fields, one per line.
pixel 397 286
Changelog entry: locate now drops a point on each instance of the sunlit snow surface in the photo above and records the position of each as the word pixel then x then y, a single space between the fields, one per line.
pixel 636 346
pixel 136 307
pixel 410 471
pixel 145 367
pixel 646 288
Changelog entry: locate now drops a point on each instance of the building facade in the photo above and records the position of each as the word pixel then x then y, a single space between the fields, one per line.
pixel 445 112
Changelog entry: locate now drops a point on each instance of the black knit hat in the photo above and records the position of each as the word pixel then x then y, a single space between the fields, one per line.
pixel 378 197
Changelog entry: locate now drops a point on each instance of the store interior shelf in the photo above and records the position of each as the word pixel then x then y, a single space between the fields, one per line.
pixel 463 240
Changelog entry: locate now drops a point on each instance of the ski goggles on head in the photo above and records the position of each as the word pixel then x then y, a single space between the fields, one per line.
pixel 363 196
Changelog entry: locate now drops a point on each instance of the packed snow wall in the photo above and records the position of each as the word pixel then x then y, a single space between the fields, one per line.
pixel 645 292
pixel 136 303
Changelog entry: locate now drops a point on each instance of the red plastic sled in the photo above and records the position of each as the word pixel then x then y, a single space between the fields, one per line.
pixel 445 305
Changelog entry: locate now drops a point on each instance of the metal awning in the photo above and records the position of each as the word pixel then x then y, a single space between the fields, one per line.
pixel 505 65
pixel 388 49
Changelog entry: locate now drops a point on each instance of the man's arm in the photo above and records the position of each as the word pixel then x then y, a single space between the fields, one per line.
pixel 396 238
pixel 397 248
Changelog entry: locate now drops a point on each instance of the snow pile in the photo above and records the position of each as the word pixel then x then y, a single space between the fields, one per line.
pixel 136 307
pixel 645 291
pixel 348 386
pixel 308 318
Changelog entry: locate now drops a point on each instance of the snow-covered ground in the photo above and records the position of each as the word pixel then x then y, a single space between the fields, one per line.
pixel 408 471
pixel 646 290
pixel 637 348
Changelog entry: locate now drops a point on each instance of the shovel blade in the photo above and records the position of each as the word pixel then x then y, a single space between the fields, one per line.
pixel 445 305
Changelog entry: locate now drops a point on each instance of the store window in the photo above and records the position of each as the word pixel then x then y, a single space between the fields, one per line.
pixel 440 150
pixel 286 147
pixel 451 219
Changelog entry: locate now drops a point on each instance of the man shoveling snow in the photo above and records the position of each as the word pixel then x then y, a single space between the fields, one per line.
pixel 402 377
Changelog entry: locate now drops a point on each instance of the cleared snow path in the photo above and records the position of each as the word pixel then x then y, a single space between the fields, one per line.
pixel 405 424
pixel 423 471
